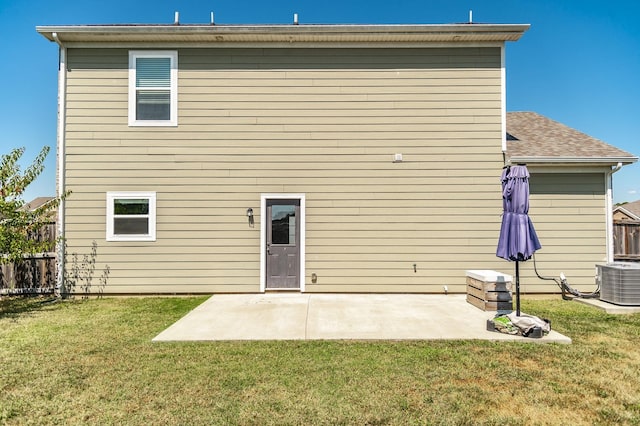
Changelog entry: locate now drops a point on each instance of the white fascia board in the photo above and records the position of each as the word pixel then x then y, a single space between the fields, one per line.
pixel 277 45
pixel 568 168
pixel 499 30
pixel 576 160
pixel 304 34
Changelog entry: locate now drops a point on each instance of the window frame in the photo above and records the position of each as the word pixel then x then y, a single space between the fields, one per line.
pixel 173 87
pixel 111 216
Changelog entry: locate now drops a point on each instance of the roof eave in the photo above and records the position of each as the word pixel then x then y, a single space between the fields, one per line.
pixel 289 33
pixel 573 160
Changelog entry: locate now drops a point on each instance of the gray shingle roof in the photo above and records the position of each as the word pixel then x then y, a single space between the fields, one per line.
pixel 533 138
pixel 37 202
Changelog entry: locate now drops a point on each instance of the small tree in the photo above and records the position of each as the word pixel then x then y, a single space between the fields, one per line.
pixel 18 224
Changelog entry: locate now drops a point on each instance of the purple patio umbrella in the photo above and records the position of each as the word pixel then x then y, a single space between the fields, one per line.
pixel 518 240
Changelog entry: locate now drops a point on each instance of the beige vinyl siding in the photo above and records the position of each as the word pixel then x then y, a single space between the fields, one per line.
pixel 323 122
pixel 568 211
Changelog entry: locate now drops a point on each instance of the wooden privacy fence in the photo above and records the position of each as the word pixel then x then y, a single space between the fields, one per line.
pixel 626 240
pixel 35 274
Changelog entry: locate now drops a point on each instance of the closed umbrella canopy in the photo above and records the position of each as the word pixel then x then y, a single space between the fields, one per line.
pixel 518 239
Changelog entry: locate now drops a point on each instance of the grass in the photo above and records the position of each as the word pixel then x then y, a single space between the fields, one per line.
pixel 93 362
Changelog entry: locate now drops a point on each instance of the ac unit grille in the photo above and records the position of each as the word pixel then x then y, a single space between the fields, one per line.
pixel 620 283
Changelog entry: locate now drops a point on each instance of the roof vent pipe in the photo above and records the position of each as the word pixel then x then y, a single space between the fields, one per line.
pixel 212 21
pixel 176 19
pixel 295 19
pixel 471 16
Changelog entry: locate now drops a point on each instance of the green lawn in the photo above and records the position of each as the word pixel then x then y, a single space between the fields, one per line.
pixel 93 362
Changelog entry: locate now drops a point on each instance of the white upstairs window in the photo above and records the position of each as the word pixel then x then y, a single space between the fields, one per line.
pixel 131 216
pixel 153 88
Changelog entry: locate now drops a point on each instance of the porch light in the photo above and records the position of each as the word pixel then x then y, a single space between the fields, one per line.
pixel 250 216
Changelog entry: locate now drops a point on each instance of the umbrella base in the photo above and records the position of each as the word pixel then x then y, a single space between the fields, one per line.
pixel 510 328
pixel 535 333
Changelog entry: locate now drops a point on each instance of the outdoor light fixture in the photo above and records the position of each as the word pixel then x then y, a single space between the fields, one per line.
pixel 250 216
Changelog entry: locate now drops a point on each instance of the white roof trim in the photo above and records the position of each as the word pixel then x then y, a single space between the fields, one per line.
pixel 627 212
pixel 581 160
pixel 449 33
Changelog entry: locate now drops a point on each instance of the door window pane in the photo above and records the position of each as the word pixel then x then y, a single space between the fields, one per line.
pixel 283 224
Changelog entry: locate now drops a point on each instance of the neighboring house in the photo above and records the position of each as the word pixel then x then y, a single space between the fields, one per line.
pixel 626 231
pixel 37 202
pixel 627 211
pixel 315 158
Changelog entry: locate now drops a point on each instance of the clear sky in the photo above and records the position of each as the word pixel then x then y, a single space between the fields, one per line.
pixel 579 64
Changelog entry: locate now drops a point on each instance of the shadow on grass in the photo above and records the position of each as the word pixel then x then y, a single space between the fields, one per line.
pixel 14 306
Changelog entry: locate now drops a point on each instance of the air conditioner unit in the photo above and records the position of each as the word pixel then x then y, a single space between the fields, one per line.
pixel 620 283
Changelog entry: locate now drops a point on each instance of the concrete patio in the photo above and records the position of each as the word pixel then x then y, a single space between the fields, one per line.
pixel 296 316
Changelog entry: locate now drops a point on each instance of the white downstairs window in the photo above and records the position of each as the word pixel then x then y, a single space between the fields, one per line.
pixel 153 88
pixel 131 216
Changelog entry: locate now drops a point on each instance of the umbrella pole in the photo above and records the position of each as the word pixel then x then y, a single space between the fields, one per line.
pixel 517 288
